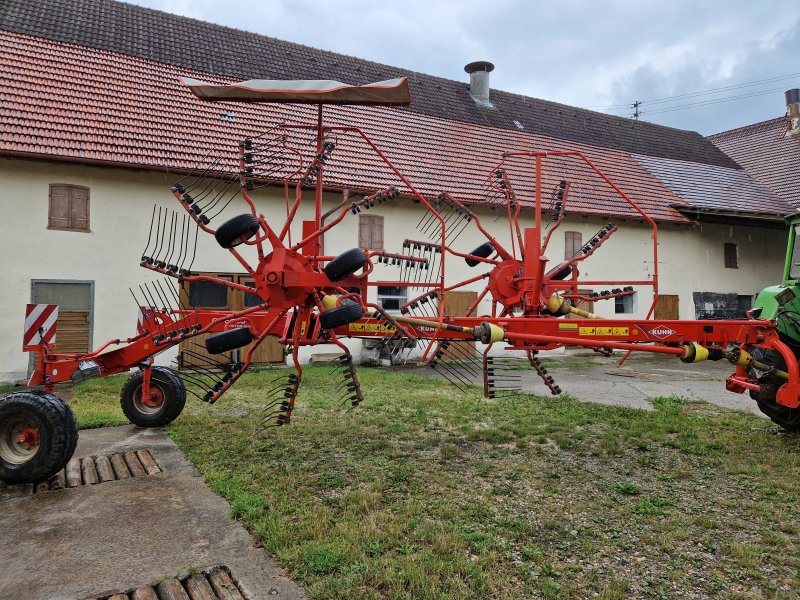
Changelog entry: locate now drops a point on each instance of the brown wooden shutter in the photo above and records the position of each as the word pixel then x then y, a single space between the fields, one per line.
pixel 572 243
pixel 59 211
pixel 363 231
pixel 377 233
pixel 79 208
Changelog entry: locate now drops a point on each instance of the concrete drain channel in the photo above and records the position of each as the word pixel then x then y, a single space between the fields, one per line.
pixel 90 470
pixel 213 584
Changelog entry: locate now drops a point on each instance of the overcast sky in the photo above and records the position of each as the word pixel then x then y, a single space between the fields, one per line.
pixel 589 53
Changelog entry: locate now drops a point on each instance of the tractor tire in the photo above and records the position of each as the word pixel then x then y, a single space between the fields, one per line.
pixel 167 398
pixel 485 250
pixel 788 418
pixel 228 340
pixel 237 230
pixel 348 312
pixel 345 264
pixel 38 435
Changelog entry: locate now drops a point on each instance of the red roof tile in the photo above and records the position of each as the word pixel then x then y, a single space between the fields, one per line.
pixel 195 46
pixel 63 101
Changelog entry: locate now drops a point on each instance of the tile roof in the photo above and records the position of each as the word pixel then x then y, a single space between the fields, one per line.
pixel 205 47
pixel 68 102
pixel 766 155
pixel 718 189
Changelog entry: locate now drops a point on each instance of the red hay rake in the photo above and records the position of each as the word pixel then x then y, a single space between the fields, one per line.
pixel 307 298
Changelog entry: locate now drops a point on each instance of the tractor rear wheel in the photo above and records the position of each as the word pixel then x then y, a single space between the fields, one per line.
pixel 788 418
pixel 164 403
pixel 38 435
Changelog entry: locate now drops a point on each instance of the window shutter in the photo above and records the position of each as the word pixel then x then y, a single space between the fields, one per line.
pixel 59 212
pixel 572 243
pixel 363 231
pixel 79 208
pixel 377 233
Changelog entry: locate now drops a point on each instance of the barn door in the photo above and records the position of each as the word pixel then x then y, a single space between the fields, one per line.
pixel 457 304
pixel 666 308
pixel 74 329
pixel 210 295
pixel 270 350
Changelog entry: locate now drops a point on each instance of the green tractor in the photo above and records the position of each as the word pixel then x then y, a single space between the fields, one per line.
pixel 780 303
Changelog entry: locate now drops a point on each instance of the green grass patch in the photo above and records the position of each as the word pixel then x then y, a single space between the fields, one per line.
pixel 427 492
pixel 96 402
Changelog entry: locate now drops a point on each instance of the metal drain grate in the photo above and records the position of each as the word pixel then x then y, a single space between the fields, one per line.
pixel 214 584
pixel 90 470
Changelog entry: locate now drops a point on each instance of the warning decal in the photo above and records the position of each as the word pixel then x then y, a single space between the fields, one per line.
pixel 40 326
pixel 604 331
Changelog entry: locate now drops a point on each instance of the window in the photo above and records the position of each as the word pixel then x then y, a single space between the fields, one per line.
pixel 370 232
pixel 69 207
pixel 207 294
pixel 391 298
pixel 572 243
pixel 624 304
pixel 731 256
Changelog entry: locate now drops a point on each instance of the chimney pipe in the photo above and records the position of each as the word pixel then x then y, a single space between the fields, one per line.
pixel 793 111
pixel 479 81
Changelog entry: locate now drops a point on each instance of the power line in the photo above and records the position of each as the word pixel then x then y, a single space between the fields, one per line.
pixel 707 102
pixel 668 99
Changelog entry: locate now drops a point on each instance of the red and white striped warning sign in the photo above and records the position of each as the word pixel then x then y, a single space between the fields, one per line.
pixel 144 314
pixel 40 326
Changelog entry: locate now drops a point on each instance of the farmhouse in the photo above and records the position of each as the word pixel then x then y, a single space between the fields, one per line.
pixel 97 127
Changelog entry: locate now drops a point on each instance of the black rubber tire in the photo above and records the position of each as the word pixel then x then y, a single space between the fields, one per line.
pixel 345 264
pixel 485 250
pixel 556 275
pixel 228 340
pixel 58 436
pixel 168 383
pixel 347 312
pixel 237 230
pixel 788 418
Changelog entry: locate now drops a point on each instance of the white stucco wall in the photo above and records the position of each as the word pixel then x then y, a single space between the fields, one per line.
pixel 691 257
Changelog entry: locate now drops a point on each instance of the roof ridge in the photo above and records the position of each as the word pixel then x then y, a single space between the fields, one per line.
pixel 235 53
pixel 752 126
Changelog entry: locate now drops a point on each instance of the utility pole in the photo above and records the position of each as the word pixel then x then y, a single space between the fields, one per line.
pixel 635 107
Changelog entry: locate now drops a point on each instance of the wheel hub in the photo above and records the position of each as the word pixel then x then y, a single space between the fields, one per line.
pixel 503 282
pixel 274 273
pixel 19 440
pixel 154 399
pixel 28 438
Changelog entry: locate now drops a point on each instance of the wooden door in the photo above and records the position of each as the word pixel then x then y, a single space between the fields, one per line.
pixel 582 304
pixel 270 350
pixel 208 295
pixel 666 308
pixel 74 325
pixel 456 305
pixel 211 295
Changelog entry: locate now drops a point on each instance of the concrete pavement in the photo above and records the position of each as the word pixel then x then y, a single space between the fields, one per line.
pixel 94 540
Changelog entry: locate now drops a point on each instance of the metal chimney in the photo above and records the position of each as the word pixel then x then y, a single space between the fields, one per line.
pixel 479 81
pixel 793 111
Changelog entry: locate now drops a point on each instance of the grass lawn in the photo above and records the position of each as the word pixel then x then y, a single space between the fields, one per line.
pixel 425 492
